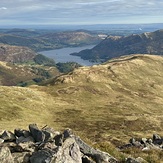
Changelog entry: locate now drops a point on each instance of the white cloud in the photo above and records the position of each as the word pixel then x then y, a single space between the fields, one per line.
pixel 3 8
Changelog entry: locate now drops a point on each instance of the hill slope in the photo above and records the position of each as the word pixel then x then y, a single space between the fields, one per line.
pixel 111 102
pixel 115 46
pixel 16 54
pixel 21 65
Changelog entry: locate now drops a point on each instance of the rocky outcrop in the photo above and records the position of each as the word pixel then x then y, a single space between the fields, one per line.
pixel 48 146
pixel 156 142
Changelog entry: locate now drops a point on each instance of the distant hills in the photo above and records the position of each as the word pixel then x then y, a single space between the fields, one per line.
pixel 41 40
pixel 22 66
pixel 115 46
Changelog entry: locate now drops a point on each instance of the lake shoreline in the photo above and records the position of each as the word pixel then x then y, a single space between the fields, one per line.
pixel 63 55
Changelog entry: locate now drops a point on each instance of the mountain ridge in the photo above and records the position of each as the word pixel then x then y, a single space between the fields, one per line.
pixel 116 46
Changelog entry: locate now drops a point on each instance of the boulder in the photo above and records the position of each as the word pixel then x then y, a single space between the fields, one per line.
pixel 8 136
pixel 23 139
pixel 42 156
pixel 49 134
pixel 144 140
pixel 37 134
pixel 157 139
pixel 20 132
pixel 58 139
pixel 69 152
pixel 96 155
pixel 5 155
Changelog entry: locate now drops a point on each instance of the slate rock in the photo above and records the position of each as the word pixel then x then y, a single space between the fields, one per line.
pixel 5 155
pixel 23 139
pixel 8 136
pixel 58 139
pixel 20 132
pixel 97 155
pixel 156 137
pixel 86 159
pixel 42 156
pixel 67 133
pixel 69 152
pixel 37 134
pixel 1 141
pixel 49 134
pixel 144 140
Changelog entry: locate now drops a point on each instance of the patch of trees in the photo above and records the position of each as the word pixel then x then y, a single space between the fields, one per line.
pixel 67 67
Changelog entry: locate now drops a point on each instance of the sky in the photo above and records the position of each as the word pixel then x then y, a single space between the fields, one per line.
pixel 53 12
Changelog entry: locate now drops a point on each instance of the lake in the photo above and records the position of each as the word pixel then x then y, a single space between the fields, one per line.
pixel 63 55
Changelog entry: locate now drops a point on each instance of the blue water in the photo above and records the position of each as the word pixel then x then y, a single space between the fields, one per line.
pixel 63 55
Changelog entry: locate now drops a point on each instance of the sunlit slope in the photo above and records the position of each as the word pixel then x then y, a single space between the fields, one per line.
pixel 122 97
pixel 113 101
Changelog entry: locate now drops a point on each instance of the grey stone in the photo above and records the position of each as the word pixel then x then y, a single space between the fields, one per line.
pixel 131 160
pixel 23 157
pixel 5 155
pixel 86 159
pixel 20 132
pixel 132 140
pixel 49 134
pixel 97 155
pixel 137 160
pixel 156 137
pixel 23 139
pixel 144 140
pixel 24 147
pixel 1 141
pixel 69 152
pixel 8 136
pixel 58 139
pixel 67 133
pixel 37 134
pixel 42 156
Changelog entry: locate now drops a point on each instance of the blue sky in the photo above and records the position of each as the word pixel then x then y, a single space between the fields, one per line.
pixel 52 12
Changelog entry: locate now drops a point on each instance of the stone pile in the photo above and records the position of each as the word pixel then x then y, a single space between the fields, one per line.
pixel 47 146
pixel 156 142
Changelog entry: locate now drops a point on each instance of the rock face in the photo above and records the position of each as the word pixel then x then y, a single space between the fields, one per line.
pixel 115 46
pixel 48 146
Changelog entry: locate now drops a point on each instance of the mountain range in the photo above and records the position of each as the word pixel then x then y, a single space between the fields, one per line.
pixel 41 40
pixel 115 46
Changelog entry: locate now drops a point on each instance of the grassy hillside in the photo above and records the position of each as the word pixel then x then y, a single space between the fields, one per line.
pixel 113 102
pixel 24 74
